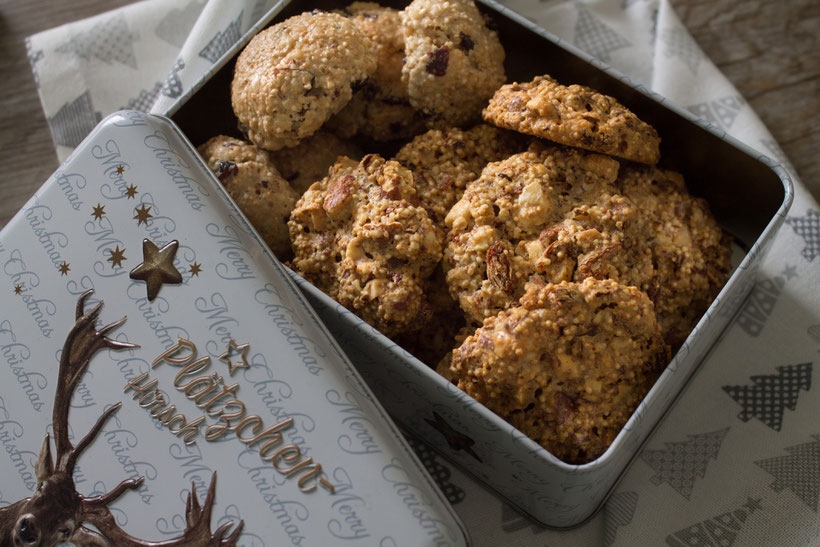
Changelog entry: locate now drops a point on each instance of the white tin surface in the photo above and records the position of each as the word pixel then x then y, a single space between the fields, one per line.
pixel 295 370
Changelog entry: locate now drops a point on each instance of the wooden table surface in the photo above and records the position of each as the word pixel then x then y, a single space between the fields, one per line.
pixel 769 49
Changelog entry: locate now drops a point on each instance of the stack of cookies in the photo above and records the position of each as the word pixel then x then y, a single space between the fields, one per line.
pixel 539 259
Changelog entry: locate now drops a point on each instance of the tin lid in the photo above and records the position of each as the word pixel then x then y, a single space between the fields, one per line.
pixel 233 374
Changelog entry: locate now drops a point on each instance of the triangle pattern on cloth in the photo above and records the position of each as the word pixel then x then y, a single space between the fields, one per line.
pixel 223 40
pixel 720 112
pixel 74 120
pixel 722 530
pixel 769 395
pixel 595 37
pixel 144 99
pixel 807 227
pixel 173 84
pixel 680 463
pixel 109 41
pixel 678 43
pixel 175 27
pixel 758 307
pixel 798 472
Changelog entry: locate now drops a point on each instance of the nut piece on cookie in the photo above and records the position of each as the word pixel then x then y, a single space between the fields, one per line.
pixel 444 161
pixel 551 212
pixel 381 109
pixel 309 161
pixel 257 187
pixel 567 366
pixel 454 62
pixel 295 75
pixel 360 236
pixel 691 254
pixel 576 116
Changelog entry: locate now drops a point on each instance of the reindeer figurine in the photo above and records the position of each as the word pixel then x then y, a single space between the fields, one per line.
pixel 56 512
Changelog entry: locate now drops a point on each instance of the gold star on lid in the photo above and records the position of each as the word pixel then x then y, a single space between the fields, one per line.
pixel 131 191
pixel 242 362
pixel 157 267
pixel 120 169
pixel 99 211
pixel 143 214
pixel 64 268
pixel 196 267
pixel 117 256
pixel 18 289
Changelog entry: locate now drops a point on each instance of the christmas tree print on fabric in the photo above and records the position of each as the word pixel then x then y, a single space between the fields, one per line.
pixel 618 511
pixel 680 463
pixel 109 41
pixel 74 121
pixel 720 531
pixel 807 227
pixel 223 40
pixel 173 84
pixel 720 112
pixel 769 395
pixel 437 470
pixel 595 37
pixel 759 306
pixel 798 472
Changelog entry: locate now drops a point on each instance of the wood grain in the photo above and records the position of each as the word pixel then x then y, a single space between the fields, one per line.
pixel 768 48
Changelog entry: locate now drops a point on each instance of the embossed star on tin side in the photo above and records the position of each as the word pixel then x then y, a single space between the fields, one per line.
pixel 117 256
pixel 143 214
pixel 242 362
pixel 64 268
pixel 456 439
pixel 157 267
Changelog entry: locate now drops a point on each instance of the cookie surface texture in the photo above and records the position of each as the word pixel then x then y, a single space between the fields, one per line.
pixel 253 182
pixel 360 236
pixel 454 62
pixel 574 115
pixel 309 161
pixel 295 75
pixel 568 366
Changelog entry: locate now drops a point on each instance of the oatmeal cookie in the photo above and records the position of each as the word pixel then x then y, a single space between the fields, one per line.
pixel 309 161
pixel 295 75
pixel 551 213
pixel 256 186
pixel 576 116
pixel 381 109
pixel 691 254
pixel 568 366
pixel 454 62
pixel 361 237
pixel 443 161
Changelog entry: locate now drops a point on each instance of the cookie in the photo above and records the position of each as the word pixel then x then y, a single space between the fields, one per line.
pixel 551 213
pixel 691 254
pixel 567 366
pixel 454 62
pixel 309 161
pixel 295 75
pixel 381 109
pixel 360 236
pixel 256 186
pixel 445 160
pixel 576 116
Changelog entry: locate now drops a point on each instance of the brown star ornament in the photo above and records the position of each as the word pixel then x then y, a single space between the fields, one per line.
pixel 157 267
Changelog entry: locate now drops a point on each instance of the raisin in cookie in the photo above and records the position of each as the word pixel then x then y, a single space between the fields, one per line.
pixel 309 161
pixel 551 213
pixel 295 75
pixel 381 109
pixel 444 161
pixel 361 237
pixel 454 62
pixel 256 186
pixel 567 366
pixel 576 116
pixel 691 253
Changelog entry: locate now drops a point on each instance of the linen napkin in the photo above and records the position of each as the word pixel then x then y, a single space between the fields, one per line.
pixel 737 460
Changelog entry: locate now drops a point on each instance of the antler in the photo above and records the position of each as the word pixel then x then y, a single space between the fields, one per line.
pixel 197 532
pixel 82 342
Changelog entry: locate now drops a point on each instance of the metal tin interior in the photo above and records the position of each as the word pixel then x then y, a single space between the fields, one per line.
pixel 747 193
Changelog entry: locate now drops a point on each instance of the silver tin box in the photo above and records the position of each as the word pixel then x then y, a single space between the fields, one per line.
pixel 748 194
pixel 238 315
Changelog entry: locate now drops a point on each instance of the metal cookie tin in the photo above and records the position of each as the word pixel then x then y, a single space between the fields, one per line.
pixel 747 193
pixel 234 374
